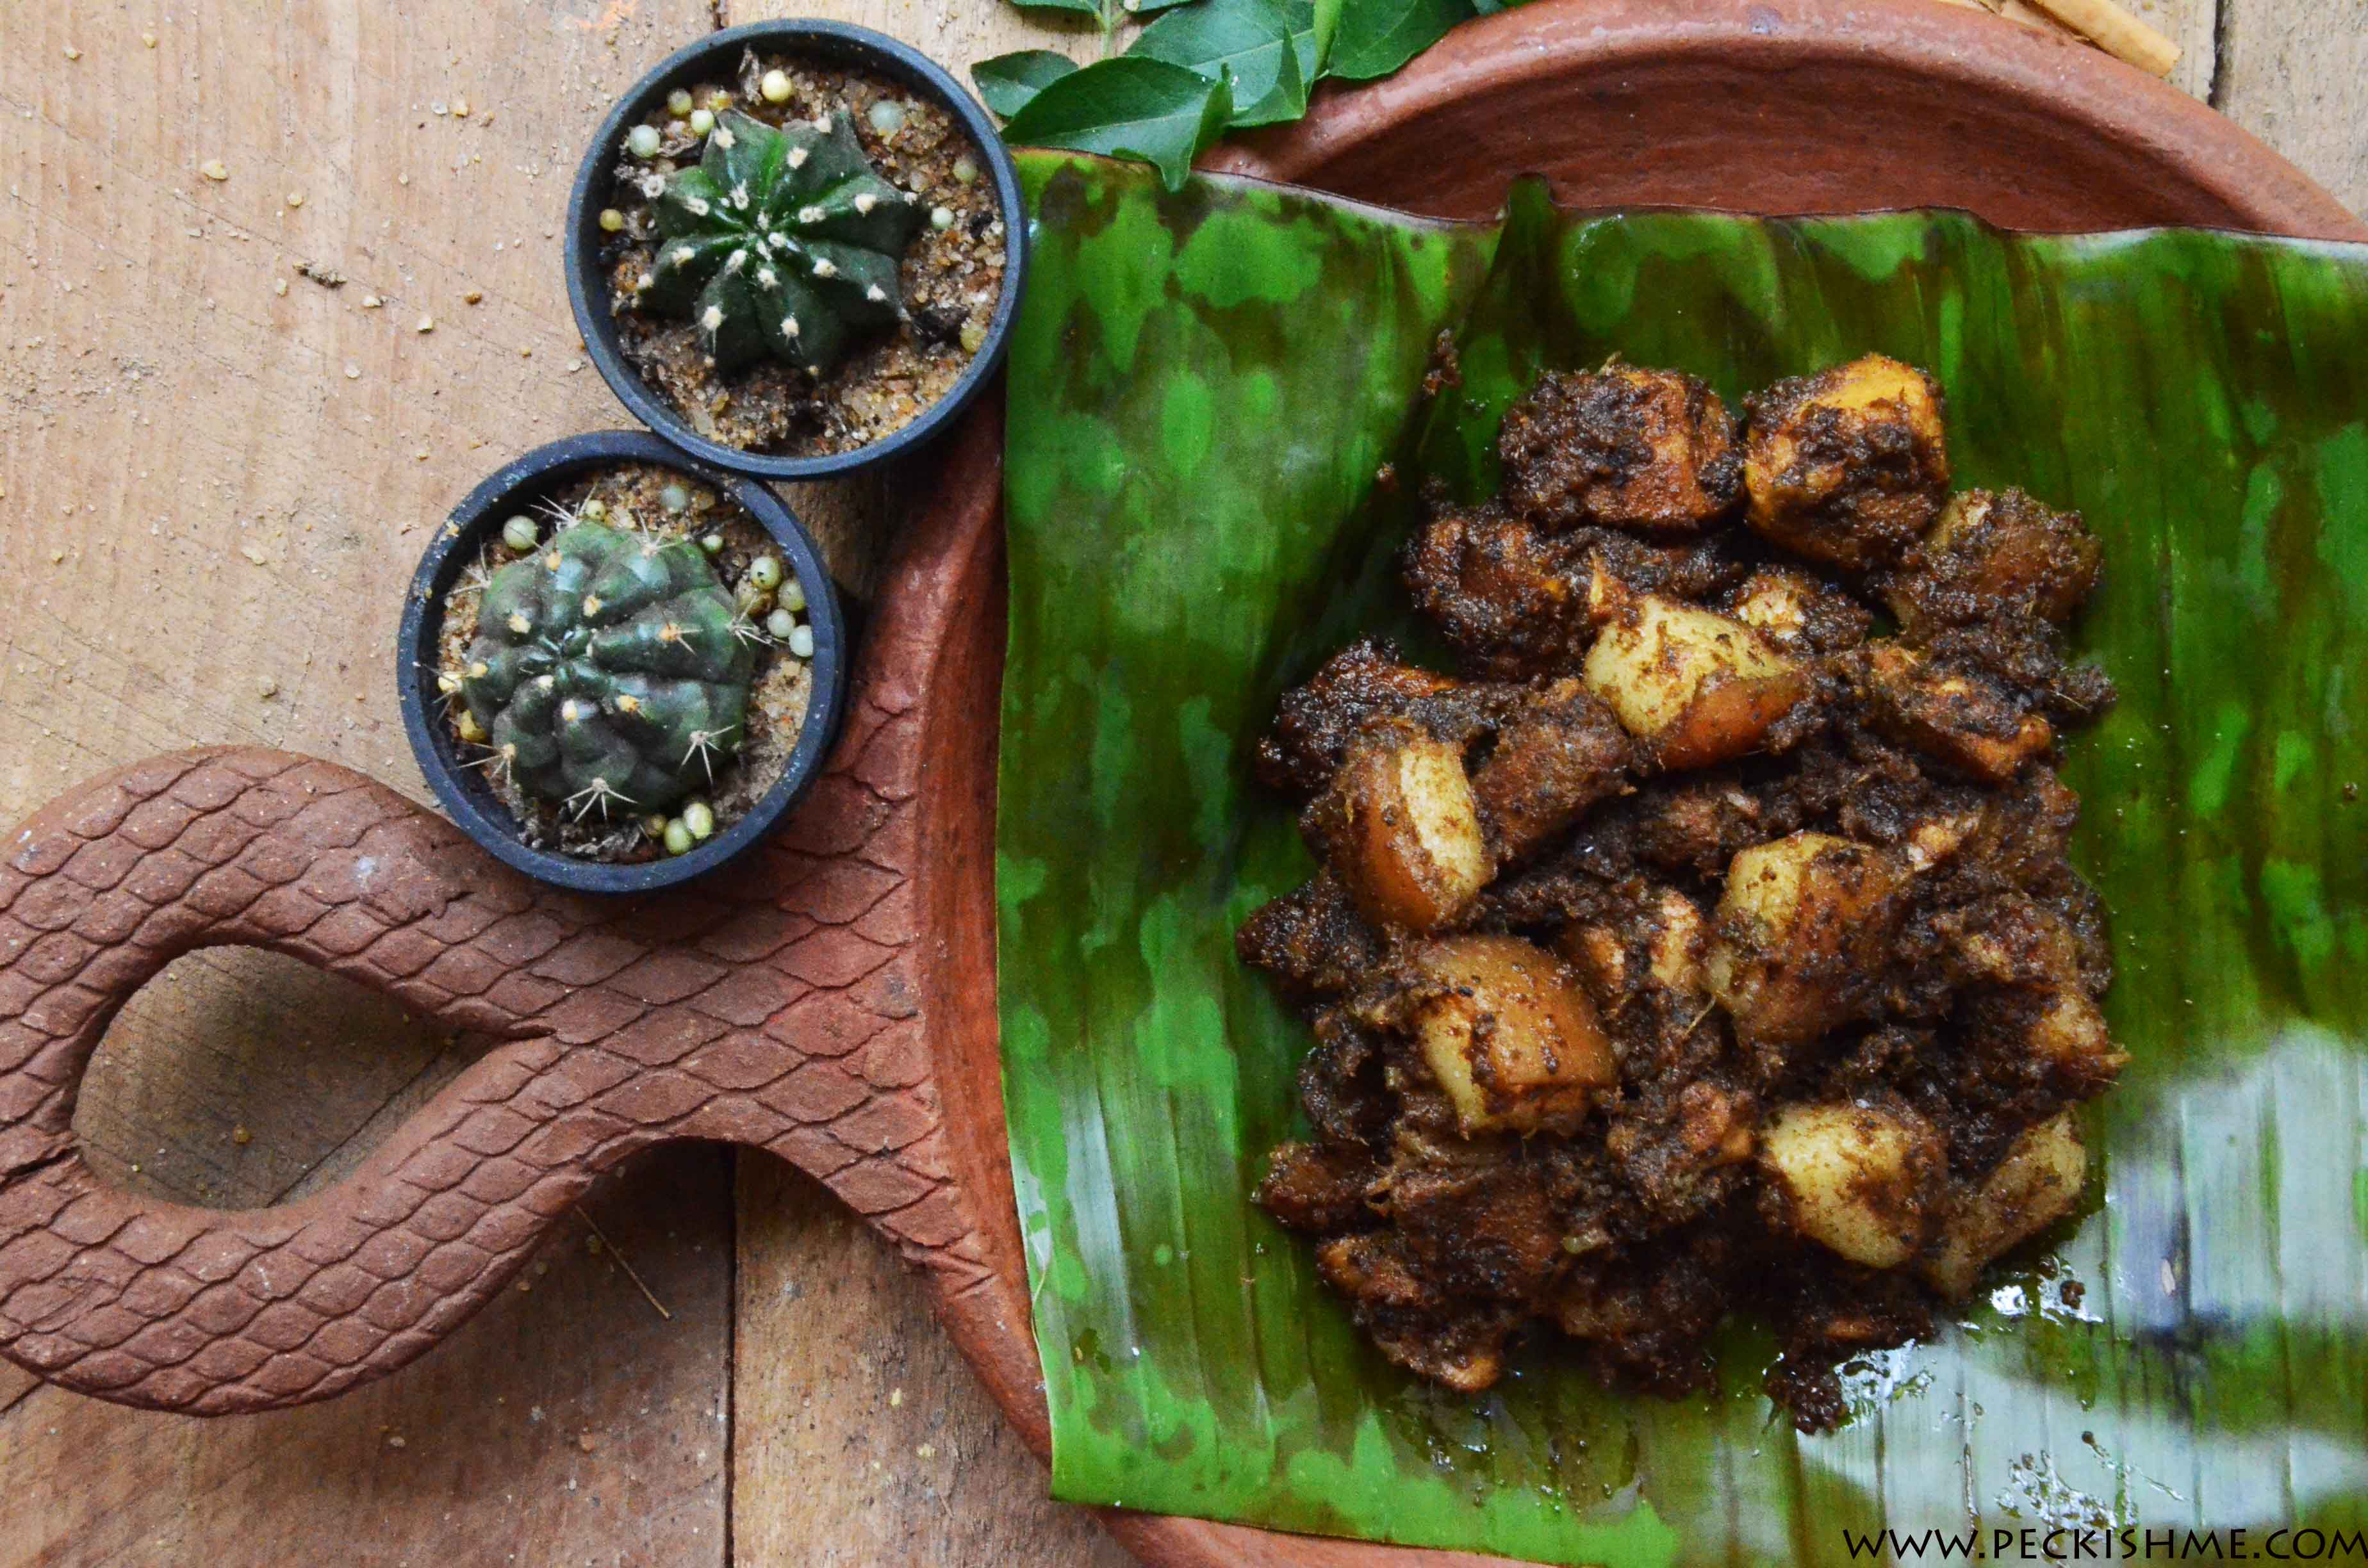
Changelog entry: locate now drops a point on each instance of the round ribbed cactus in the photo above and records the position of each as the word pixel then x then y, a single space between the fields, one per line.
pixel 610 670
pixel 779 241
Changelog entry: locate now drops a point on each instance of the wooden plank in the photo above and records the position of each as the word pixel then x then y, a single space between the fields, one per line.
pixel 236 1079
pixel 2296 76
pixel 215 475
pixel 860 1435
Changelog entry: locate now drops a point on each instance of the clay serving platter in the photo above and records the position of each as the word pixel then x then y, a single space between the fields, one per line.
pixel 831 996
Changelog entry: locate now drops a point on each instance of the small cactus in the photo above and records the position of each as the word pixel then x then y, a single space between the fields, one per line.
pixel 781 241
pixel 605 673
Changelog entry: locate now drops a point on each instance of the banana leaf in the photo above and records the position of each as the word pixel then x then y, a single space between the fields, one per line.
pixel 1203 385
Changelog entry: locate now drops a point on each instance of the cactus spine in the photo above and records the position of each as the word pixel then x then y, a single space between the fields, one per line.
pixel 779 241
pixel 606 674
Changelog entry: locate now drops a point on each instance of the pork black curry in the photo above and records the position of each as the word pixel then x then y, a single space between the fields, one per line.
pixel 1707 946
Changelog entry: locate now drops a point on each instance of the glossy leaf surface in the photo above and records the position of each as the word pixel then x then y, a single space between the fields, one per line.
pixel 1007 82
pixel 1376 36
pixel 1131 107
pixel 1268 48
pixel 1265 57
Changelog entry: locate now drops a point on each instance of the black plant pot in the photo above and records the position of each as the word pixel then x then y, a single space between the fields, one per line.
pixel 464 792
pixel 717 57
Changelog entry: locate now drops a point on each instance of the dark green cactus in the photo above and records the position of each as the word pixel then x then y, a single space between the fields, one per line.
pixel 779 242
pixel 610 671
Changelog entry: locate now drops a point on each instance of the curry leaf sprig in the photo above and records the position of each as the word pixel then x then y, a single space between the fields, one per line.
pixel 1203 68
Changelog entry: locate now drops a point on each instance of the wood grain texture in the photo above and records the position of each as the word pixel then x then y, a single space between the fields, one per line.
pixel 203 1094
pixel 2294 72
pixel 861 1435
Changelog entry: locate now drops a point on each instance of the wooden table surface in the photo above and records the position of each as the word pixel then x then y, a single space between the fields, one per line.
pixel 215 473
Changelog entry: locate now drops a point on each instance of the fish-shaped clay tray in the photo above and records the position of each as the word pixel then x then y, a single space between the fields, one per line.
pixel 832 998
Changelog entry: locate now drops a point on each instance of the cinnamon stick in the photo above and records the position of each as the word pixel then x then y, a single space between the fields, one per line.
pixel 2115 31
pixel 2031 16
pixel 2022 11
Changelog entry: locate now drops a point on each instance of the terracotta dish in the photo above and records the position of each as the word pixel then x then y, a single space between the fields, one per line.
pixel 831 997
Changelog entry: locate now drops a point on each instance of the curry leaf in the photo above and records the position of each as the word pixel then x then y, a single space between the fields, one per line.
pixel 1009 81
pixel 1376 36
pixel 1132 107
pixel 1264 56
pixel 1292 82
pixel 1324 25
pixel 1108 13
pixel 1105 11
pixel 1269 45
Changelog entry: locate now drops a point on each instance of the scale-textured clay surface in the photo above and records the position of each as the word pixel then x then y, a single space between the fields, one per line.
pixel 773 1006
